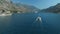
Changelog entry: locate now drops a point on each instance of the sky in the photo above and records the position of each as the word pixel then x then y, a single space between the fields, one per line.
pixel 41 4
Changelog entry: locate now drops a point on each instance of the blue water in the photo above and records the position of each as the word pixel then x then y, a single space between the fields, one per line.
pixel 26 24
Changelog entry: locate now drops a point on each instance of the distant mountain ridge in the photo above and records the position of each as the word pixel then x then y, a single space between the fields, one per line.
pixel 52 9
pixel 27 8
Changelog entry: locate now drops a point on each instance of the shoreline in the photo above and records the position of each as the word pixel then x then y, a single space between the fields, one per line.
pixel 6 14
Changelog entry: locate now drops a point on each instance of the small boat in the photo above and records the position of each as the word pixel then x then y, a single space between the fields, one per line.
pixel 39 19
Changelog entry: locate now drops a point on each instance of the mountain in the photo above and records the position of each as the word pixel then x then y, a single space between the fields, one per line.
pixel 52 9
pixel 27 8
pixel 8 5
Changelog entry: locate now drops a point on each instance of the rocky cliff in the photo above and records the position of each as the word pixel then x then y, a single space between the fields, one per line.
pixel 23 8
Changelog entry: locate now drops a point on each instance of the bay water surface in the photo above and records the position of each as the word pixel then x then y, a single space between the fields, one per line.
pixel 27 24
